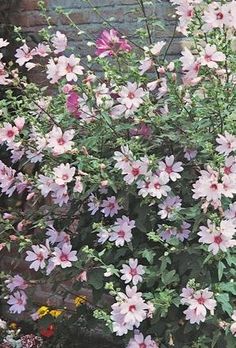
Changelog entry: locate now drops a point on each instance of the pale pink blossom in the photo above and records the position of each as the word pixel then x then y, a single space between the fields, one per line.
pixel 103 235
pixel 38 257
pixel 208 186
pixel 215 16
pixel 190 154
pixel 45 184
pixel 157 186
pixel 122 231
pixel 110 206
pixel 145 65
pixel 60 142
pixel 65 256
pixel 134 169
pixel 210 56
pixel 131 95
pixel 157 47
pixel 78 185
pixel 227 143
pixel 41 50
pixel 23 55
pixel 3 43
pixel 170 169
pixel 166 232
pixel 230 213
pixel 93 204
pixel 17 302
pixel 19 122
pixel 124 158
pixel 183 231
pixel 132 272
pixel 69 67
pixel 16 282
pixel 191 67
pixel 59 42
pixel 218 238
pixel 64 174
pixel 169 206
pixel 139 341
pixel 8 132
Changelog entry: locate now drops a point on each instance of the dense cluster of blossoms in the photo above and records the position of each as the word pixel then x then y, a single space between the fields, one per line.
pixel 127 174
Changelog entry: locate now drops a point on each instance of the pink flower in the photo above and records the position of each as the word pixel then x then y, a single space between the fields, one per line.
pixel 140 342
pixel 8 133
pixel 218 238
pixel 145 65
pixel 215 16
pixel 59 42
pixel 157 186
pixel 53 71
pixel 227 143
pixel 201 301
pixel 210 56
pixel 208 186
pixel 19 122
pixel 103 235
pixel 3 43
pixel 191 67
pixel 230 213
pixel 111 44
pixel 3 73
pixel 157 47
pixel 94 204
pixel 183 232
pixel 121 231
pixel 60 142
pixel 132 272
pixel 230 166
pixel 110 206
pixel 64 256
pixel 134 169
pixel 16 282
pixel 167 232
pixel 23 55
pixel 38 256
pixel 190 154
pixel 17 301
pixel 78 185
pixel 45 184
pixel 41 50
pixel 170 169
pixel 69 67
pixel 64 173
pixel 131 95
pixel 123 158
pixel 169 206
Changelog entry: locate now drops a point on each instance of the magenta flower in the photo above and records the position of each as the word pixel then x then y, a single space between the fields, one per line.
pixel 16 282
pixel 38 257
pixel 110 206
pixel 111 44
pixel 72 103
pixel 132 272
pixel 139 341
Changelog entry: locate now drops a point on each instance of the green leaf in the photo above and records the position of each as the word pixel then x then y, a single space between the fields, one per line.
pixel 168 277
pixel 148 255
pixel 221 268
pixel 223 299
pixel 95 278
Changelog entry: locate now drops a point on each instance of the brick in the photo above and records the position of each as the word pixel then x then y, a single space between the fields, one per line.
pixel 28 5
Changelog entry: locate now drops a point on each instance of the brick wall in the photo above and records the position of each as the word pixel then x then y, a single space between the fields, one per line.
pixel 25 13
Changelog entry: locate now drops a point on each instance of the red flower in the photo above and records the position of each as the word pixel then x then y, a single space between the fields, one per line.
pixel 48 331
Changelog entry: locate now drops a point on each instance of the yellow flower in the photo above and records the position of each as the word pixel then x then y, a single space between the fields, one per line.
pixel 13 326
pixel 42 311
pixel 55 312
pixel 80 300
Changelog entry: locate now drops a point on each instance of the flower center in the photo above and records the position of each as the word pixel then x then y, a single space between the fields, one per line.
pixel 169 169
pixel 132 308
pixel 65 177
pixel 208 57
pixel 69 68
pixel 10 133
pixel 219 15
pixel 40 257
pixel 135 171
pixel 121 233
pixel 133 272
pixel 131 95
pixel 61 141
pixel 142 345
pixel 218 239
pixel 157 185
pixel 201 300
pixel 227 170
pixel 214 187
pixel 64 257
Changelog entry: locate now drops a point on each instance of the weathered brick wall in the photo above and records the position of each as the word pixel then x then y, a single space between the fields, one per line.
pixel 25 13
